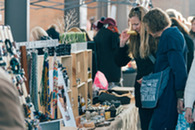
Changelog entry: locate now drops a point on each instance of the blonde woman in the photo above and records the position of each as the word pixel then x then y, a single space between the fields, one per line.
pixel 133 44
pixel 38 33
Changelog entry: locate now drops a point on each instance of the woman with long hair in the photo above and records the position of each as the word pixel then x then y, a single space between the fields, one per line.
pixel 132 46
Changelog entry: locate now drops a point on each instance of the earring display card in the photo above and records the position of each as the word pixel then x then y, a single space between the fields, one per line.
pixel 64 101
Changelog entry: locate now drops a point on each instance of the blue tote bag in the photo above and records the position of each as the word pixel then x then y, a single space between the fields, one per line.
pixel 152 87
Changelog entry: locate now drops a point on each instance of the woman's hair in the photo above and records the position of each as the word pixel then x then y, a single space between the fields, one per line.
pixel 139 46
pixel 38 32
pixel 192 34
pixel 192 19
pixel 172 13
pixel 179 25
pixel 156 20
pixel 54 26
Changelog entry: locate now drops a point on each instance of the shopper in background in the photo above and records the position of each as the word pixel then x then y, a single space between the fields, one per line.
pixel 189 95
pixel 176 14
pixel 38 33
pixel 98 25
pixel 140 53
pixel 11 115
pixel 172 13
pixel 192 30
pixel 170 53
pixel 87 35
pixel 107 44
pixel 52 32
pixel 92 20
pixel 188 40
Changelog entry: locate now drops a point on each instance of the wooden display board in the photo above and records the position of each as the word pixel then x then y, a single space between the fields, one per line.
pixel 83 91
pixel 77 65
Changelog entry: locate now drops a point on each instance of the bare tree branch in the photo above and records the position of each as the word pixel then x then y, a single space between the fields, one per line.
pixel 68 21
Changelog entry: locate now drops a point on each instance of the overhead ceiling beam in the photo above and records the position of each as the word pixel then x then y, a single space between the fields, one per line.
pixel 36 4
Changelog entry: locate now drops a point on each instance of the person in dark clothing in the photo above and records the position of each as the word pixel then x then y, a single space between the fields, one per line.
pixel 87 35
pixel 107 44
pixel 171 53
pixel 141 55
pixel 53 33
pixel 188 40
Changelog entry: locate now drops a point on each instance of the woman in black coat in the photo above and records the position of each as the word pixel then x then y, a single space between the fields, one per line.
pixel 141 54
pixel 107 43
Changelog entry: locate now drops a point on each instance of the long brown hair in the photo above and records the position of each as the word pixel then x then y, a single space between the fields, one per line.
pixel 139 46
pixel 156 20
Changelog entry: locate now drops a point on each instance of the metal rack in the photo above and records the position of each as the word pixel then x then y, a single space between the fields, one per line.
pixel 38 44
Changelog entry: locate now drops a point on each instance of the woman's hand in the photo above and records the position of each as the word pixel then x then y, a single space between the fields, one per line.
pixel 188 115
pixel 124 37
pixel 139 81
pixel 180 106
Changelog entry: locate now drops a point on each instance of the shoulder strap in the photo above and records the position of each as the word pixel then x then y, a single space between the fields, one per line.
pixel 152 58
pixel 184 45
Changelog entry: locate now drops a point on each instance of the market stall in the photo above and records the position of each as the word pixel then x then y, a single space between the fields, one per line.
pixel 55 88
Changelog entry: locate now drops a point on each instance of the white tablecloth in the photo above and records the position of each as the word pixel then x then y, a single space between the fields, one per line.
pixel 127 120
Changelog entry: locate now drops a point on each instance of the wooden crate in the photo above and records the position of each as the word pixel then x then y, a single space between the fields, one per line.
pixel 89 59
pixel 83 91
pixel 79 67
pixel 80 90
pixel 89 74
pixel 81 61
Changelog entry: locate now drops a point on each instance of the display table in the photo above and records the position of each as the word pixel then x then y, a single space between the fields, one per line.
pixel 127 120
